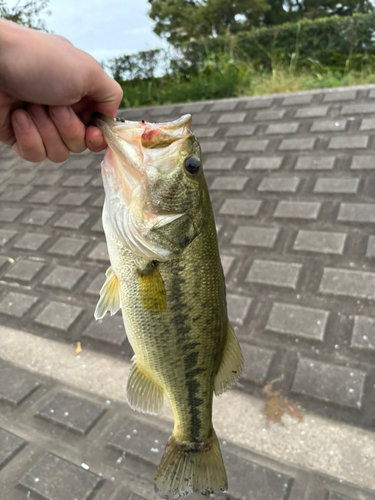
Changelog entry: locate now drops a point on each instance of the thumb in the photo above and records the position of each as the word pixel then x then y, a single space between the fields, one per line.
pixel 106 94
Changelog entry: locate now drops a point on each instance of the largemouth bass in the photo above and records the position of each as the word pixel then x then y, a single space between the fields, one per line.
pixel 166 276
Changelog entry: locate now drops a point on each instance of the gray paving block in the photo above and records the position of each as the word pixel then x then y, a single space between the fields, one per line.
pixel 15 386
pixel 224 106
pixel 58 315
pixel 300 144
pixel 110 330
pixel 3 261
pixel 371 94
pixel 71 412
pixel 98 226
pixel 74 199
pixel 333 495
pixel 238 307
pixel 253 236
pixel 53 478
pixel 213 146
pixel 328 382
pixel 6 236
pixel 353 109
pixel 363 336
pixel 356 212
pixel 232 118
pixel 299 321
pixel 77 181
pixel 348 283
pixel 38 217
pixel 256 145
pixel 311 112
pixel 205 131
pixel 78 163
pixel 24 270
pixel 335 185
pixel 15 194
pixel 240 130
pixel 10 445
pixel 96 286
pixel 282 128
pixel 328 125
pixel 141 440
pixel 31 241
pixel 320 242
pixel 264 163
pixel 370 252
pixel 367 124
pixel 10 214
pixel 193 107
pixel 348 95
pixel 97 182
pixel 240 207
pixel 100 252
pixel 348 142
pixel 257 361
pixel 63 277
pixel 363 163
pixel 99 201
pixel 44 197
pixel 219 163
pixel 21 179
pixel 17 304
pixel 201 119
pixel 71 220
pixel 269 272
pixel 229 183
pixel 279 184
pixel 48 179
pixel 258 103
pixel 297 99
pixel 297 209
pixel 162 110
pixel 226 262
pixel 252 481
pixel 270 114
pixel 315 163
pixel 68 247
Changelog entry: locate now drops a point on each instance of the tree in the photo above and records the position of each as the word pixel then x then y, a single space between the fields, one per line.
pixel 26 14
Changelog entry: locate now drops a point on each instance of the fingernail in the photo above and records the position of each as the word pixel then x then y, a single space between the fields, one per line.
pixel 60 113
pixel 22 120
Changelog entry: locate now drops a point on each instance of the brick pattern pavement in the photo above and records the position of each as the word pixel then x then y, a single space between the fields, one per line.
pixel 292 180
pixel 59 443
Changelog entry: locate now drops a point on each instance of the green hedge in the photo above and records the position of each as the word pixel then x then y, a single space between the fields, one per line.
pixel 331 41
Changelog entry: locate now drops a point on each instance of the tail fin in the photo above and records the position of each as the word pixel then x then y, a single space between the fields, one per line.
pixel 190 468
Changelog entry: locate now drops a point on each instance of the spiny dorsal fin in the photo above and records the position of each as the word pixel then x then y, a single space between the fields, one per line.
pixel 231 363
pixel 110 299
pixel 142 393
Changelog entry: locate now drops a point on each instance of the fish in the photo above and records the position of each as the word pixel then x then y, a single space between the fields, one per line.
pixel 166 276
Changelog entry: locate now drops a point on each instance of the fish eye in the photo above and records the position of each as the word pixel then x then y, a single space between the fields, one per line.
pixel 192 165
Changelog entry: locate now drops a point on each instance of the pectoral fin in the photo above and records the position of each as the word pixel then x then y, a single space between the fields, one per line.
pixel 151 289
pixel 110 298
pixel 231 363
pixel 142 393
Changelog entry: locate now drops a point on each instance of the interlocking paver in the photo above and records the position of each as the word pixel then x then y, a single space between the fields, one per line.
pixel 304 144
pixel 282 128
pixel 24 270
pixel 252 236
pixel 44 197
pixel 74 413
pixel 15 195
pixel 333 185
pixel 100 253
pixel 279 184
pixel 315 163
pixel 370 252
pixel 356 212
pixel 96 285
pixel 258 361
pixel 15 386
pixel 58 479
pixel 259 103
pixel 31 241
pixel 348 142
pixel 363 333
pixel 10 445
pixel 17 304
pixel 338 496
pixel 268 272
pixel 241 130
pixel 77 181
pixel 349 95
pixel 297 209
pixel 71 220
pixel 6 236
pixel 299 321
pixel 240 207
pixel 232 118
pixel 229 183
pixel 297 99
pixel 264 163
pixel 74 199
pixel 47 179
pixel 328 125
pixel 238 308
pixel 110 330
pixel 213 146
pixel 68 247
pixel 256 145
pixel 38 217
pixel 363 162
pixel 58 315
pixel 10 214
pixel 353 109
pixel 367 124
pixel 349 283
pixel 63 277
pixel 320 241
pixel 271 114
pixel 311 111
pixel 226 262
pixel 219 163
pixel 329 382
pixel 206 131
pixel 224 106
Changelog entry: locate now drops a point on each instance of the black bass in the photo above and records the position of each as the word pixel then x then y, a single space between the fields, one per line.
pixel 167 278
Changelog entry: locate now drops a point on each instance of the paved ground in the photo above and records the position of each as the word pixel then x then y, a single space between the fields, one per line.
pixel 293 186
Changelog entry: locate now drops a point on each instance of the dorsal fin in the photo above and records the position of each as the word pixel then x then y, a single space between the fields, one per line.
pixel 110 297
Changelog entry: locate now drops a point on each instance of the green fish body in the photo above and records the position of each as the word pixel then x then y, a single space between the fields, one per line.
pixel 166 276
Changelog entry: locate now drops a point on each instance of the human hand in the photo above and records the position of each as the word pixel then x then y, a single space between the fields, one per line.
pixel 48 92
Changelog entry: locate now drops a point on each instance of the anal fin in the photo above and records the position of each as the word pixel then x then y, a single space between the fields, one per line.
pixel 110 297
pixel 142 393
pixel 231 363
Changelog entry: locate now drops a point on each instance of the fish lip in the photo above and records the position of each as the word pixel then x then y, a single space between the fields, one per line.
pixel 102 121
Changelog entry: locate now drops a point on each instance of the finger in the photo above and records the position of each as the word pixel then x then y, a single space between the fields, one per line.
pixel 105 92
pixel 95 140
pixel 29 144
pixel 55 148
pixel 70 127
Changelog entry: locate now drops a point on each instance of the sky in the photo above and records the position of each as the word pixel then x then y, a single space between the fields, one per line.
pixel 103 28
